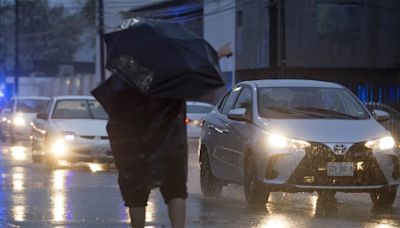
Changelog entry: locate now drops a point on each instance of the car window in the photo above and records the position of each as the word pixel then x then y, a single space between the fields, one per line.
pixel 200 109
pixel 230 100
pixel 97 110
pixel 221 103
pixel 47 109
pixel 31 105
pixel 245 99
pixel 78 109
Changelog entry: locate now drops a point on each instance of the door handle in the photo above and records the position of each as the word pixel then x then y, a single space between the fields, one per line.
pixel 219 130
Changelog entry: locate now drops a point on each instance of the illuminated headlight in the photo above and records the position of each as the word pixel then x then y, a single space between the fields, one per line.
pixel 69 136
pixel 279 141
pixel 19 121
pixel 58 147
pixel 18 152
pixel 385 143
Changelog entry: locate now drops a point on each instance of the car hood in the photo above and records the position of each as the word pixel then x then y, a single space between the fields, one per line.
pixel 349 131
pixel 83 127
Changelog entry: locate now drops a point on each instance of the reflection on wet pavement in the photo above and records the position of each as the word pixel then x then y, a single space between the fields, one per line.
pixel 88 196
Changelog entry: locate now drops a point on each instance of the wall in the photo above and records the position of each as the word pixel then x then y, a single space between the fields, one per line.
pixel 356 34
pixel 55 86
pixel 219 28
pixel 252 34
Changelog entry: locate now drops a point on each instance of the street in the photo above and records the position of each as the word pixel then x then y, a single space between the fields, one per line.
pixel 82 196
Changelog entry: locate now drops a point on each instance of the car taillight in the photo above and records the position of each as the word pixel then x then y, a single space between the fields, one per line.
pixel 187 120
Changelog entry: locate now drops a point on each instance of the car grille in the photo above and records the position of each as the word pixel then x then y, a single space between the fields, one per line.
pixel 312 169
pixel 82 151
pixel 93 137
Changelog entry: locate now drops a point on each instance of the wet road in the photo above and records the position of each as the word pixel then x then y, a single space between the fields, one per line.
pixel 33 196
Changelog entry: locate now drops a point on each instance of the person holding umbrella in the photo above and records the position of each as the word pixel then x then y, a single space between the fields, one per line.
pixel 156 66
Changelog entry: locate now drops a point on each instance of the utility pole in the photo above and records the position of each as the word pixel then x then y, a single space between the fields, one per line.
pixel 101 34
pixel 16 49
pixel 282 37
pixel 273 38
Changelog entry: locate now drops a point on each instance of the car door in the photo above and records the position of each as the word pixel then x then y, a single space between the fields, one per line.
pixel 240 133
pixel 219 129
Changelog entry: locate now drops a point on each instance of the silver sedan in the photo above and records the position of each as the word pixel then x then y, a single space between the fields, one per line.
pixel 297 136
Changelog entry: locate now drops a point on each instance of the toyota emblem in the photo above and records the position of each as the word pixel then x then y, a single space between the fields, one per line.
pixel 340 149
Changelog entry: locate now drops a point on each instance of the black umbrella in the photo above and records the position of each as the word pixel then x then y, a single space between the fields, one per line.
pixel 163 59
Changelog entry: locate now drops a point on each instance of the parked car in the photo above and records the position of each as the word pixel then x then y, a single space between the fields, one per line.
pixel 297 136
pixel 71 128
pixel 17 116
pixel 195 114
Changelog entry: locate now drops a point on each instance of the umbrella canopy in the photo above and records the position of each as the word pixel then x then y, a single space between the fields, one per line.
pixel 163 59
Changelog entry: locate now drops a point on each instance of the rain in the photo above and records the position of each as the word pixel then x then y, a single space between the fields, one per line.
pixel 199 113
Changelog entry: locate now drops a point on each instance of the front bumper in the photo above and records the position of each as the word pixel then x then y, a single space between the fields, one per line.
pixel 306 170
pixel 87 152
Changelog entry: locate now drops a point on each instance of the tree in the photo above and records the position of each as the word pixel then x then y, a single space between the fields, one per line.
pixel 46 33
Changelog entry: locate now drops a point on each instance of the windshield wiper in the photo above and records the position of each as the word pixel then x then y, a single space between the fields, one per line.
pixel 327 111
pixel 280 109
pixel 291 111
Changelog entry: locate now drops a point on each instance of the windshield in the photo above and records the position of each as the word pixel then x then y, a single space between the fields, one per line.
pixel 31 105
pixel 79 109
pixel 309 103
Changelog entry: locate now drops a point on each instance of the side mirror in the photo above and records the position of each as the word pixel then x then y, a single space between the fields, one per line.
pixel 42 116
pixel 238 114
pixel 380 115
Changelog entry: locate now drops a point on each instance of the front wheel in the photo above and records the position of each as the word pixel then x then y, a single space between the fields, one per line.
pixel 256 194
pixel 210 185
pixel 384 197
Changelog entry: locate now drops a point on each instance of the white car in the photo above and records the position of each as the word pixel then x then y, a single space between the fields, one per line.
pixel 18 114
pixel 71 128
pixel 297 136
pixel 195 114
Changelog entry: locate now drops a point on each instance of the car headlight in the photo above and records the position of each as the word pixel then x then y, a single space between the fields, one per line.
pixel 19 121
pixel 280 141
pixel 58 147
pixel 69 136
pixel 385 143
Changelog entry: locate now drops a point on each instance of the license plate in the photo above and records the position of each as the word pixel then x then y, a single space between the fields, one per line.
pixel 338 169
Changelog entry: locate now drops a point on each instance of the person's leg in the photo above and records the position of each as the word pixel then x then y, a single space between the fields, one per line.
pixel 177 212
pixel 138 216
pixel 137 207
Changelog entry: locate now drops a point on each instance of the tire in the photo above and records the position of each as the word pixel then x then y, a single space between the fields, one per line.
pixel 211 186
pixel 256 194
pixel 384 198
pixel 326 194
